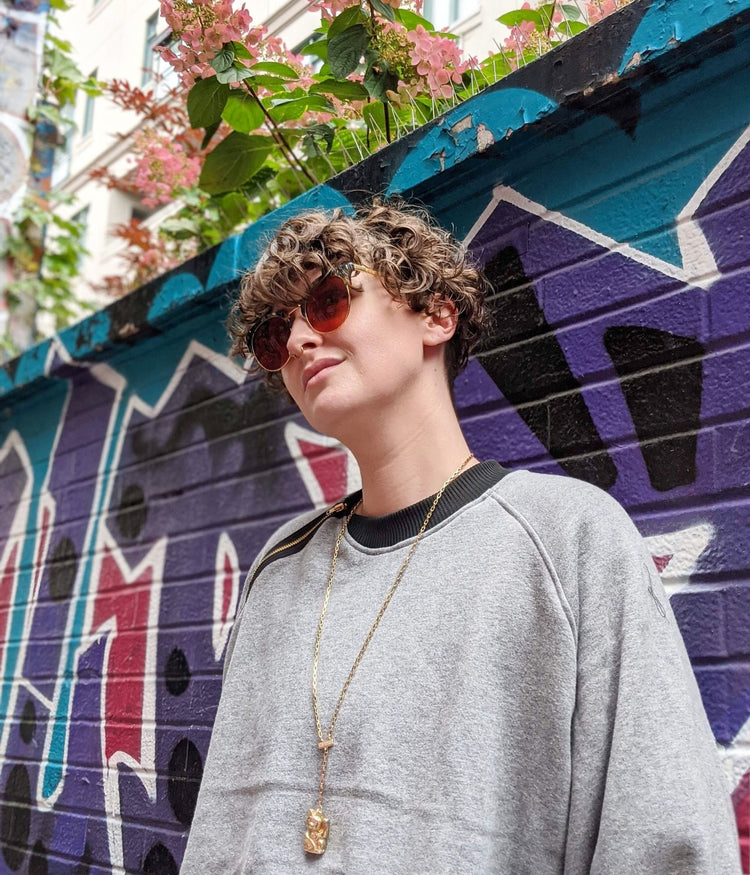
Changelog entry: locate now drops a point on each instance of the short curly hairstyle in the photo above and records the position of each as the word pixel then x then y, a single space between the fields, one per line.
pixel 416 260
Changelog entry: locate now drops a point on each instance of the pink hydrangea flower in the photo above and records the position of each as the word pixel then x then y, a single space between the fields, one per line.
pixel 163 168
pixel 201 28
pixel 437 59
pixel 329 9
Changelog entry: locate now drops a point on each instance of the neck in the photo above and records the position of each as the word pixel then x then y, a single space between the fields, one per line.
pixel 407 461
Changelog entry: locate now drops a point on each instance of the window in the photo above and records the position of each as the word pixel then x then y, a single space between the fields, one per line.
pixel 152 41
pixel 154 68
pixel 82 218
pixel 444 12
pixel 88 110
pixel 313 60
pixel 64 151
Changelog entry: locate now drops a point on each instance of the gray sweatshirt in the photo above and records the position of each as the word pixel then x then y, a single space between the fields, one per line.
pixel 526 705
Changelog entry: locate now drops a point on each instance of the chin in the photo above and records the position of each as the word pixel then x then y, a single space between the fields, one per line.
pixel 333 418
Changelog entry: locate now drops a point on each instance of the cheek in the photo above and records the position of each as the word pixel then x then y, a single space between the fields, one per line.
pixel 289 383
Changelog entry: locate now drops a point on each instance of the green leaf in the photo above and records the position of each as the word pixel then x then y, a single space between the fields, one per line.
pixel 233 162
pixel 411 20
pixel 379 78
pixel 223 60
pixel 318 49
pixel 243 112
pixel 318 133
pixel 273 83
pixel 516 16
pixel 256 185
pixel 571 28
pixel 205 102
pixel 384 9
pixel 234 74
pixel 572 13
pixel 234 207
pixel 343 89
pixel 283 70
pixel 59 43
pixel 240 50
pixel 416 112
pixel 63 67
pixel 208 136
pixel 345 50
pixel 374 115
pixel 294 109
pixel 348 18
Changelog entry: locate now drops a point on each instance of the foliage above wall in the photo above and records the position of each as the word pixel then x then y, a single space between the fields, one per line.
pixel 272 124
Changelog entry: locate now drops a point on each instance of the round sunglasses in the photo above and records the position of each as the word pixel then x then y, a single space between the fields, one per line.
pixel 324 308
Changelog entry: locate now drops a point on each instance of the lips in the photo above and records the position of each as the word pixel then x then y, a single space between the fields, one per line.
pixel 316 367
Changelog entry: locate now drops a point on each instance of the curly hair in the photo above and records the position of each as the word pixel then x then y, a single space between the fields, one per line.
pixel 416 260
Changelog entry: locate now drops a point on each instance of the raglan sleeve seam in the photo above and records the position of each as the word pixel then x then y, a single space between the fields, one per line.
pixel 546 559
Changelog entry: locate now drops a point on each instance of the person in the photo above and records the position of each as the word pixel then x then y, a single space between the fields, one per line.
pixel 498 682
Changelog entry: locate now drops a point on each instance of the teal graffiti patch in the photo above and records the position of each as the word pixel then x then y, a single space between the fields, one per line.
pixel 254 240
pixel 31 364
pixel 86 336
pixel 175 293
pixel 667 24
pixel 465 131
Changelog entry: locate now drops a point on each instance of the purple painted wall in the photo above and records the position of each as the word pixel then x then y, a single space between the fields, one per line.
pixel 140 474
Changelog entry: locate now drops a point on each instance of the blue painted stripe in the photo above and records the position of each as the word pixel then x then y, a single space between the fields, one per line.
pixel 55 767
pixel 468 130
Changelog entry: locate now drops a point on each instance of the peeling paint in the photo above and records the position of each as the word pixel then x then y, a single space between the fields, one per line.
pixel 462 125
pixel 441 158
pixel 635 61
pixel 485 137
pixel 128 330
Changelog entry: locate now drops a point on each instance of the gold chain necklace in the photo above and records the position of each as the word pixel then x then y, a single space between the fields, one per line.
pixel 317 825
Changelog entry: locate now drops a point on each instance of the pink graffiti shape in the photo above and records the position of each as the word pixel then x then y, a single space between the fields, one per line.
pixel 328 464
pixel 127 603
pixel 41 549
pixel 6 593
pixel 661 562
pixel 741 802
pixel 226 603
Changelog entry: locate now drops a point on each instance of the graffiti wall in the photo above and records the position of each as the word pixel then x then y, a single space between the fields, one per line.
pixel 606 191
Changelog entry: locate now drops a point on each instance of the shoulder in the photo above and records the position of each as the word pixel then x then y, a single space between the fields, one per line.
pixel 283 535
pixel 587 541
pixel 287 529
pixel 552 502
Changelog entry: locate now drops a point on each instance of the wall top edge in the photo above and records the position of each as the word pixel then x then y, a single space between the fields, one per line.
pixel 631 49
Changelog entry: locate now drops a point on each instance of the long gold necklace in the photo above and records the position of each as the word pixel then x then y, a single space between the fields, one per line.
pixel 317 825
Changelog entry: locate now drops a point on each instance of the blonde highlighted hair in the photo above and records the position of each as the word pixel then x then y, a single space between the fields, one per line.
pixel 416 260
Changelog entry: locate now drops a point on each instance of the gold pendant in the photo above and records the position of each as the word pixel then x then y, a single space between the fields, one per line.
pixel 316 831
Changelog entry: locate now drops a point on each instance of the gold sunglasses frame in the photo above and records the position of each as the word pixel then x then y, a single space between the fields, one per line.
pixel 343 271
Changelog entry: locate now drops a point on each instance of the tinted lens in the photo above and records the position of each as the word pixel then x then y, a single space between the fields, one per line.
pixel 327 305
pixel 269 342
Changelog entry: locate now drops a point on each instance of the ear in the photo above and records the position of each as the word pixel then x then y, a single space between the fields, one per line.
pixel 440 325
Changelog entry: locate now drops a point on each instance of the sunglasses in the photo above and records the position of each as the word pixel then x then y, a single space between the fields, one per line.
pixel 324 308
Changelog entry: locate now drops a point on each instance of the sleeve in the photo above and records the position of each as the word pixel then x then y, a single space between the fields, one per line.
pixel 647 790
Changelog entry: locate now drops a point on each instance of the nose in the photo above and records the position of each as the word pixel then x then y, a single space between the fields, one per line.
pixel 301 335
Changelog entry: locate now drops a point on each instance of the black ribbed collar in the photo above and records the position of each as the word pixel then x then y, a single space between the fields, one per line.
pixel 385 531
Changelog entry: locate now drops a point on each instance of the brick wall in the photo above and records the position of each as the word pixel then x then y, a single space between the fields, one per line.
pixel 606 190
